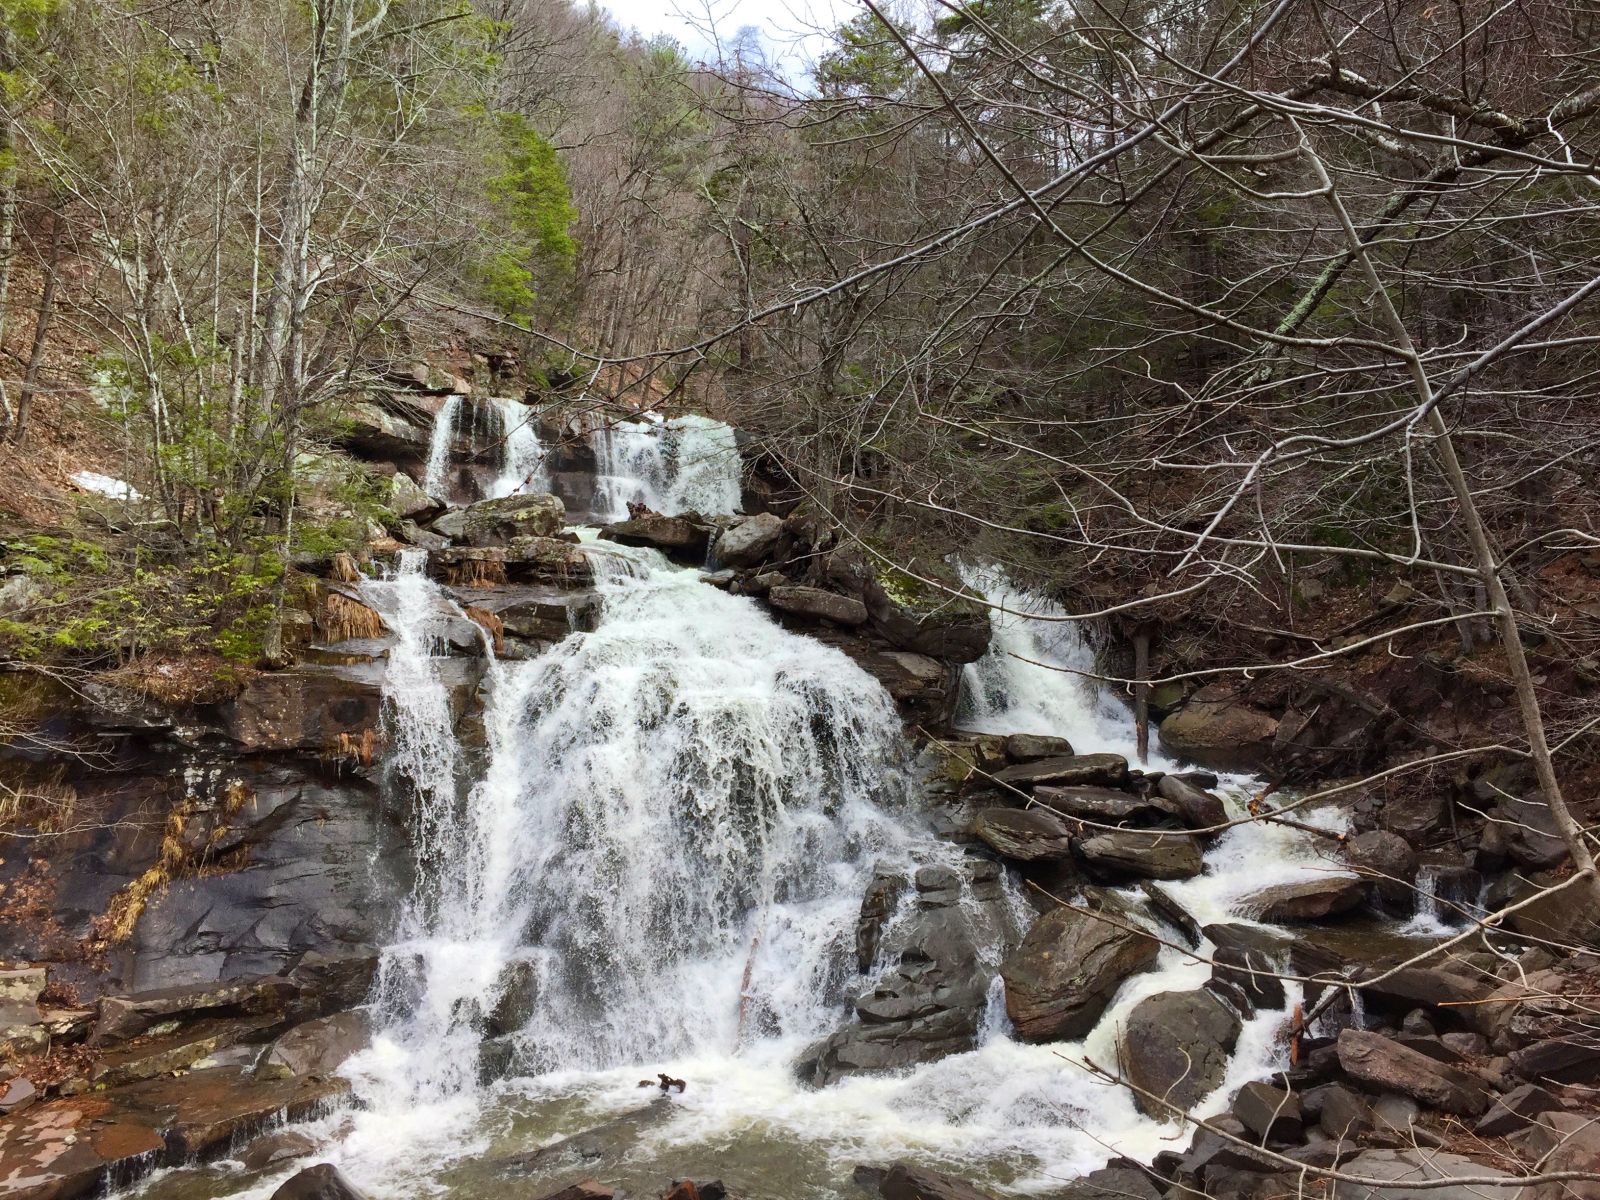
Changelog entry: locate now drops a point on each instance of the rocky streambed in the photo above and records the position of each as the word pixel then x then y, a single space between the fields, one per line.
pixel 699 794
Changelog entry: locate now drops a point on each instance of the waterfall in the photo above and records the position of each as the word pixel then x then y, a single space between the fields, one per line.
pixel 434 474
pixel 677 818
pixel 662 855
pixel 522 454
pixel 1039 675
pixel 685 464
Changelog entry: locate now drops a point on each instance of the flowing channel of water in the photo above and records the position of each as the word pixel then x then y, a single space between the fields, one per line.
pixel 522 454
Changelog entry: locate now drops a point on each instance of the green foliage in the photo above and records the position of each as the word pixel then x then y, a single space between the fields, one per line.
pixel 528 189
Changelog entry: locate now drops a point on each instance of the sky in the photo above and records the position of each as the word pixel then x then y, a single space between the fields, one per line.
pixel 793 32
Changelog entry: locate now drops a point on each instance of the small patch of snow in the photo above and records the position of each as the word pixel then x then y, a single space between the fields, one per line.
pixel 104 485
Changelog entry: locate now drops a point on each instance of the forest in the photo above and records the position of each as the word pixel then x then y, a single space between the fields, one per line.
pixel 1008 607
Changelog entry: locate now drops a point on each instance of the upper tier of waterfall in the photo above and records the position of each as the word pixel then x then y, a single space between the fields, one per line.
pixel 683 464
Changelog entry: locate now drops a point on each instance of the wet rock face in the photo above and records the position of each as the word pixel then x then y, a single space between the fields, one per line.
pixel 1062 976
pixel 1176 1046
pixel 323 866
pixel 930 1002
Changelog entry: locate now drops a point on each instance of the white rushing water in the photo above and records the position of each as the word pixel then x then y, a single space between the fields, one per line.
pixel 663 845
pixel 1039 676
pixel 435 474
pixel 683 464
pixel 522 454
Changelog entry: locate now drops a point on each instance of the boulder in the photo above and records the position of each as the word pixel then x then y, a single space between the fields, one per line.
pixel 1061 978
pixel 1270 1113
pixel 1198 808
pixel 1175 1046
pixel 1153 855
pixel 321 1182
pixel 317 1048
pixel 1103 806
pixel 1389 864
pixel 1428 986
pixel 817 604
pixel 676 537
pixel 1532 839
pixel 1215 730
pixel 938 621
pixel 1560 1060
pixel 1515 1110
pixel 1111 1183
pixel 1313 899
pixel 517 995
pixel 408 501
pixel 1024 834
pixel 1559 1142
pixel 1339 1111
pixel 905 1182
pixel 748 541
pixel 590 1189
pixel 1092 770
pixel 1406 1167
pixel 276 1148
pixel 451 524
pixel 1025 747
pixel 1414 815
pixel 496 522
pixel 1380 1062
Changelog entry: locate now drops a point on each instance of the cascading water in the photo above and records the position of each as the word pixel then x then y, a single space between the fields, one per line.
pixel 435 473
pixel 664 852
pixel 683 464
pixel 1039 675
pixel 522 454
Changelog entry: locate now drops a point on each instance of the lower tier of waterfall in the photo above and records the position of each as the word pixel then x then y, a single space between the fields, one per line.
pixel 650 857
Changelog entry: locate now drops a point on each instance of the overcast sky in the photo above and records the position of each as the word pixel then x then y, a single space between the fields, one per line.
pixel 792 31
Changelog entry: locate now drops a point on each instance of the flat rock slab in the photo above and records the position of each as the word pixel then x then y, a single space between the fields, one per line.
pixel 1025 834
pixel 71 1147
pixel 1160 855
pixel 1103 805
pixel 1095 770
pixel 1383 1063
pixel 1406 1168
pixel 1305 900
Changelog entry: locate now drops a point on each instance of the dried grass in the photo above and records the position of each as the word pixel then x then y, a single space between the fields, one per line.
pixel 474 573
pixel 341 619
